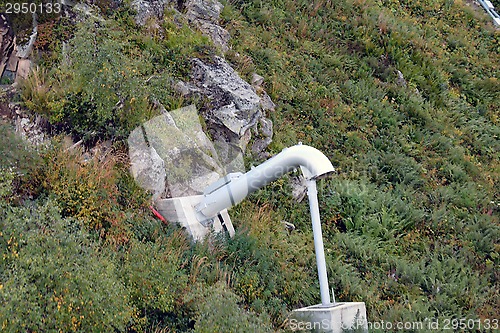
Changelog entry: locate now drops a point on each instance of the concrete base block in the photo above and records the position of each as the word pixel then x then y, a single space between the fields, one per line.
pixel 181 210
pixel 333 318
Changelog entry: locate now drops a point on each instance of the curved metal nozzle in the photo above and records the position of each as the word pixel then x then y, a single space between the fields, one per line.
pixel 314 165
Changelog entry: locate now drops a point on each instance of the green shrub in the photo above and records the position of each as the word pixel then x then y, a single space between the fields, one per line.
pixel 86 191
pixel 17 163
pixel 218 310
pixel 54 277
pixel 6 179
pixel 153 275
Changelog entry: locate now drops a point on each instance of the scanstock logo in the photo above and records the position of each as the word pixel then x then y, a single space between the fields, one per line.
pixel 174 146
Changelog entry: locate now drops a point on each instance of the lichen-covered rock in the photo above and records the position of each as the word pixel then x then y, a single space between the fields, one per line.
pixel 146 166
pixel 259 146
pixel 266 127
pixel 204 14
pixel 266 102
pixel 171 153
pixel 264 132
pixel 146 9
pixel 219 36
pixel 206 10
pixel 234 104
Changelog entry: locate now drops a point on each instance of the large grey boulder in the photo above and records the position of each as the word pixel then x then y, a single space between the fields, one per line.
pixel 204 14
pixel 172 157
pixel 147 9
pixel 146 166
pixel 219 79
pixel 206 10
pixel 234 106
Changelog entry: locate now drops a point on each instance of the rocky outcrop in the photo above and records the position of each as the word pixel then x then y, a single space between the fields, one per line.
pixel 234 107
pixel 204 14
pixel 6 43
pixel 147 9
pixel 31 127
pixel 172 157
pixel 14 64
pixel 14 58
pixel 234 104
pixel 201 14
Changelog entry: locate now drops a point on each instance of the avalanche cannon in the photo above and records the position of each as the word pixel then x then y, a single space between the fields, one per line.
pixel 199 213
pixel 236 187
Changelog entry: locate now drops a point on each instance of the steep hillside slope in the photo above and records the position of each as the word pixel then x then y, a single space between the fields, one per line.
pixel 402 96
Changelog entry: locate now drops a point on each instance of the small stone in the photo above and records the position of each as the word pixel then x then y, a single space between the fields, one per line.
pixel 25 122
pixel 288 226
pixel 260 145
pixel 147 9
pixel 266 127
pixel 266 103
pixel 400 81
pixel 257 80
pixel 12 63
pixel 299 188
pixel 23 68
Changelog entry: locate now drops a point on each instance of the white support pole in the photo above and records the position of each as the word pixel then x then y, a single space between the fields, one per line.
pixel 312 194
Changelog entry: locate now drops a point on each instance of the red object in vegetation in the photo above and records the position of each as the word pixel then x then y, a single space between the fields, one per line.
pixel 158 215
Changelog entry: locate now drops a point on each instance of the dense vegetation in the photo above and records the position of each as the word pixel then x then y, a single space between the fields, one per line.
pixel 402 96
